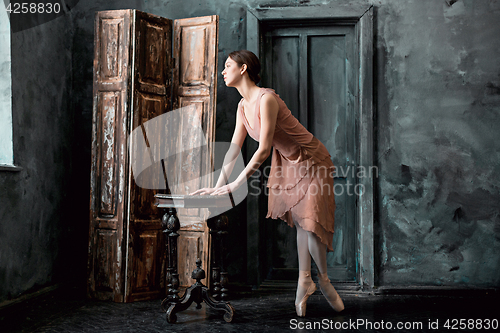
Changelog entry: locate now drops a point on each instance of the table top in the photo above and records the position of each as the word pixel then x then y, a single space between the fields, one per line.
pixel 192 201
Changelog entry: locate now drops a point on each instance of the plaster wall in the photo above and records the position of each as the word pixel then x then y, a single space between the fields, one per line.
pixel 438 89
pixel 36 220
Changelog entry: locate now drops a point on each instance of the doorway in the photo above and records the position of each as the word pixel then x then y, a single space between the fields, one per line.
pixel 310 66
pixel 321 68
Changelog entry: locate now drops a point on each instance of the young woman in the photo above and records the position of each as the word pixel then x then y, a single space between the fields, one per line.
pixel 301 177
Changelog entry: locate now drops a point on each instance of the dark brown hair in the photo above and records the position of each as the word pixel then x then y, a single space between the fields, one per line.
pixel 253 64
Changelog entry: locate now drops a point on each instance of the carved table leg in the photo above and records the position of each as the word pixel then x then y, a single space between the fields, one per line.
pixel 215 281
pixel 197 292
pixel 218 229
pixel 170 225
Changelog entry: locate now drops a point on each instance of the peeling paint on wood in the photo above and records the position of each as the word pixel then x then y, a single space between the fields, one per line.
pixel 133 252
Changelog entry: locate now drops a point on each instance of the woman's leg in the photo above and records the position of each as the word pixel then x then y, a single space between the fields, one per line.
pixel 318 252
pixel 305 285
pixel 303 249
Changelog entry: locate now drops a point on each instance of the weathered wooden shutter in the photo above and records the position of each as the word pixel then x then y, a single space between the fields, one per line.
pixel 109 155
pixel 195 84
pixel 132 84
pixel 151 91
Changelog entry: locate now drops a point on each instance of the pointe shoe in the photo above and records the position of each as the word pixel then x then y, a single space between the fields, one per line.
pixel 305 281
pixel 330 293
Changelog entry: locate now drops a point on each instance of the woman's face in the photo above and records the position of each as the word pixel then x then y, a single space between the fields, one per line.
pixel 231 72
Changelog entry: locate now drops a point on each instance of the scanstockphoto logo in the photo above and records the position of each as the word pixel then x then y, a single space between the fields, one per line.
pixel 172 151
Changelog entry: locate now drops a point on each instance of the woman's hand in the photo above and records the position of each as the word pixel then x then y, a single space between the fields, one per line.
pixel 229 188
pixel 204 191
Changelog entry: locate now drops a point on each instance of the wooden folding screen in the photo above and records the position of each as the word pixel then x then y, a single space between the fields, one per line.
pixel 137 78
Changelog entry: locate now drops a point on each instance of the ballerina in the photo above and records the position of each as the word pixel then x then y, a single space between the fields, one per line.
pixel 301 177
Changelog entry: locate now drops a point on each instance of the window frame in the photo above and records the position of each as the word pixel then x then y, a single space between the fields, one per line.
pixel 6 127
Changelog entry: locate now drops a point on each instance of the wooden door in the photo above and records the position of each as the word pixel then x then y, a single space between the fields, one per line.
pixel 151 97
pixel 108 213
pixel 313 68
pixel 194 85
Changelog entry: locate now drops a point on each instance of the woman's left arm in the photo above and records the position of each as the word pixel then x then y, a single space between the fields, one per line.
pixel 268 114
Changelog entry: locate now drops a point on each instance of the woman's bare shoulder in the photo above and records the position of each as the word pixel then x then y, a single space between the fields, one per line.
pixel 269 104
pixel 269 99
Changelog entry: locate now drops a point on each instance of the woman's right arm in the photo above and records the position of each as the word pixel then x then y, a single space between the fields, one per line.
pixel 239 135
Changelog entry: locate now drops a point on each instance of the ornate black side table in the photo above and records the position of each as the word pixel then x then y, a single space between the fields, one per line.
pixel 198 293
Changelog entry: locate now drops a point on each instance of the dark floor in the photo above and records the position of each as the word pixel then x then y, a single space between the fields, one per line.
pixel 66 310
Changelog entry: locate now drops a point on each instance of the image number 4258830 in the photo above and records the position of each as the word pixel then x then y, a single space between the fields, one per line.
pixel 33 8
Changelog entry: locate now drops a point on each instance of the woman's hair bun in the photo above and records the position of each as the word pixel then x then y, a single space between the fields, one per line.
pixel 250 59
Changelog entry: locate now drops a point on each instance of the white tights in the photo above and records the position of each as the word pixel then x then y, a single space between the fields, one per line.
pixel 308 244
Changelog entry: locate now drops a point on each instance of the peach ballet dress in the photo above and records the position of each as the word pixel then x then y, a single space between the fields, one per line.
pixel 301 178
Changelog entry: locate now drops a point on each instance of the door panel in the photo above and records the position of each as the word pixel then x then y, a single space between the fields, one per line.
pixel 109 130
pixel 105 270
pixel 331 121
pixel 194 87
pixel 149 106
pixel 151 97
pixel 109 105
pixel 285 73
pixel 189 249
pixel 326 58
pixel 311 69
pixel 146 271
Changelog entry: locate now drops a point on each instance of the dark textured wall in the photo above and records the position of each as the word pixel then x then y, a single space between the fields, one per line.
pixel 437 95
pixel 437 83
pixel 35 218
